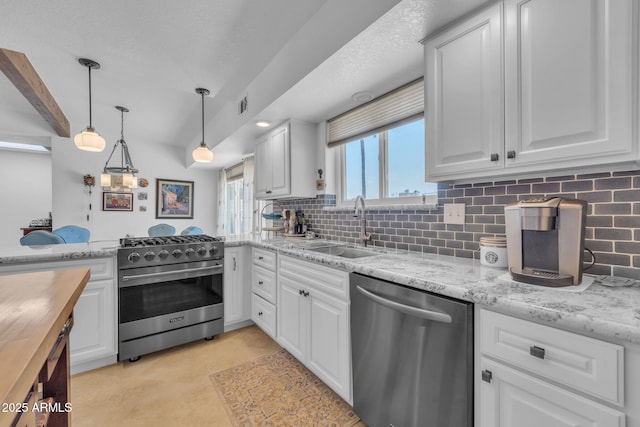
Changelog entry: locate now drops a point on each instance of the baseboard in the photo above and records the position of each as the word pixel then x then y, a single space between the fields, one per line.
pixel 238 325
pixel 77 368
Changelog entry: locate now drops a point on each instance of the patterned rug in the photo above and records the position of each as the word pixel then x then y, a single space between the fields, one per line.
pixel 277 390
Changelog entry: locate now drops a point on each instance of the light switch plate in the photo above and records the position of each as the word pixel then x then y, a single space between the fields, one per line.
pixel 454 213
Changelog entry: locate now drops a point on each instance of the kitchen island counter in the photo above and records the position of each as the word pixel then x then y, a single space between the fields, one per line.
pixel 602 311
pixel 22 254
pixel 39 304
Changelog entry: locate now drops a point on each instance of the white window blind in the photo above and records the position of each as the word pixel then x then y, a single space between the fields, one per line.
pixel 234 172
pixel 403 104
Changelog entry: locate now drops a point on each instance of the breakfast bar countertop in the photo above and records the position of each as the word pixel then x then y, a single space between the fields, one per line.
pixel 603 311
pixel 21 254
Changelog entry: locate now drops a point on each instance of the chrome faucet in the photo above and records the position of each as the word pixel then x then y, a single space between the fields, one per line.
pixel 364 236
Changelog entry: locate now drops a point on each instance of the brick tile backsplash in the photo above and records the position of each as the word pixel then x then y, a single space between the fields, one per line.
pixel 612 233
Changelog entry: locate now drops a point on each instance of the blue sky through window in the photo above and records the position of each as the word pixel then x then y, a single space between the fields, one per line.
pixel 405 158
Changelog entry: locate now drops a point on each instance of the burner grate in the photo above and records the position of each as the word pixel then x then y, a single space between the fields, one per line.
pixel 133 242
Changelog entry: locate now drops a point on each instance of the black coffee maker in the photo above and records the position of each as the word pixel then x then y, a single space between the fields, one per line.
pixel 545 240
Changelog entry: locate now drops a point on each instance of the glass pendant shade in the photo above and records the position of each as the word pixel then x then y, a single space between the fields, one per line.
pixel 105 180
pixel 89 140
pixel 127 180
pixel 202 154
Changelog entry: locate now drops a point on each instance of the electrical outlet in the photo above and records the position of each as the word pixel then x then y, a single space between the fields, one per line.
pixel 454 213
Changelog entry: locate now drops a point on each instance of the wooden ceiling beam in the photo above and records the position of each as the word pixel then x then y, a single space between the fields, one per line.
pixel 18 69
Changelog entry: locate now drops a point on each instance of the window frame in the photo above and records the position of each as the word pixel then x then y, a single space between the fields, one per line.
pixel 237 220
pixel 428 200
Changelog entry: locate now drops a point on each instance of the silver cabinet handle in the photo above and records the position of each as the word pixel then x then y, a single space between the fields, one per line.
pixel 487 376
pixel 511 154
pixel 407 309
pixel 494 157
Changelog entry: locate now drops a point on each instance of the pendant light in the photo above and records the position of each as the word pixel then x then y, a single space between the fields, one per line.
pixel 89 139
pixel 202 153
pixel 126 168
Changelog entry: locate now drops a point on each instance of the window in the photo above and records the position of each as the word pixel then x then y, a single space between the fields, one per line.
pixel 234 207
pixel 235 199
pixel 388 167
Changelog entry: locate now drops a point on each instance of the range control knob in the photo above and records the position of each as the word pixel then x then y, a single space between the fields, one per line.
pixel 133 257
pixel 177 253
pixel 213 250
pixel 163 254
pixel 189 251
pixel 202 251
pixel 149 256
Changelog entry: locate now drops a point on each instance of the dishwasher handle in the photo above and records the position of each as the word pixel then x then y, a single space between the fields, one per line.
pixel 407 309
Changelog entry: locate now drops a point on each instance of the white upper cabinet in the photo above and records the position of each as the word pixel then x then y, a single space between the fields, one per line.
pixel 565 76
pixel 568 82
pixel 285 162
pixel 463 97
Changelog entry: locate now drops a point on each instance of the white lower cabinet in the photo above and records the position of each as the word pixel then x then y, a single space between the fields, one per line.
pixel 237 299
pixel 534 375
pixel 263 290
pixel 313 320
pixel 93 341
pixel 514 398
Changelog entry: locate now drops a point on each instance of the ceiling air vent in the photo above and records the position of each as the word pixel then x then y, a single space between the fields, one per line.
pixel 243 105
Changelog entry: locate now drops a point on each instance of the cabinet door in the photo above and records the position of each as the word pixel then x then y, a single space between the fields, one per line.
pixel 94 332
pixel 262 179
pixel 513 398
pixel 329 355
pixel 234 299
pixel 292 318
pixel 464 97
pixel 280 162
pixel 568 87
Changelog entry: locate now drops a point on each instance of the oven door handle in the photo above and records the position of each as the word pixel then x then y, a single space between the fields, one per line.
pixel 179 274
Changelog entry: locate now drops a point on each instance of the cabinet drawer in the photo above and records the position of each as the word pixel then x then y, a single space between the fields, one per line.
pixel 264 259
pixel 263 313
pixel 329 280
pixel 586 364
pixel 263 283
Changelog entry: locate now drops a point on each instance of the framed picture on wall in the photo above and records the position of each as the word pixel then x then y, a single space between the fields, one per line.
pixel 117 201
pixel 174 199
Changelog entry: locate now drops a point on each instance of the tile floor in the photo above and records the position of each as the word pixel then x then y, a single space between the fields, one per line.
pixel 167 388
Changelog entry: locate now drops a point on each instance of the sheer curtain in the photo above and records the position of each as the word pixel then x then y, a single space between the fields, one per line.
pixel 222 197
pixel 249 215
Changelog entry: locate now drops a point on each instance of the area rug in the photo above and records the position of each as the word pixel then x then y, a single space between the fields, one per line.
pixel 277 390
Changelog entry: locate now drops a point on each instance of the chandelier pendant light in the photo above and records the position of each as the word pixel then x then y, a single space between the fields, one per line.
pixel 126 168
pixel 202 153
pixel 89 139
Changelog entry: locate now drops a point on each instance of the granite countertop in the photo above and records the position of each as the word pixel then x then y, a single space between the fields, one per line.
pixel 40 253
pixel 599 310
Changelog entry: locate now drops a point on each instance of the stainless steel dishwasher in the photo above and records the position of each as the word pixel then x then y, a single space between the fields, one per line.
pixel 412 354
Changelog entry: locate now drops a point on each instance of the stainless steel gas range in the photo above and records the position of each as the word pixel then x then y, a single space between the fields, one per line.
pixel 169 292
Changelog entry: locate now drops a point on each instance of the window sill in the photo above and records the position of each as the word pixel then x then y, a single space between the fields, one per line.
pixel 385 207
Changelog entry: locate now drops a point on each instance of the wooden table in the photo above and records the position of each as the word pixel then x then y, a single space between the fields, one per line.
pixel 34 308
pixel 27 230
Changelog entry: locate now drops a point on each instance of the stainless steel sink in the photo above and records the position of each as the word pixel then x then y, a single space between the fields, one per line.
pixel 344 251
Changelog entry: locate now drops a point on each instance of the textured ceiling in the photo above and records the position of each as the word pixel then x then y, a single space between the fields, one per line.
pixel 155 53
